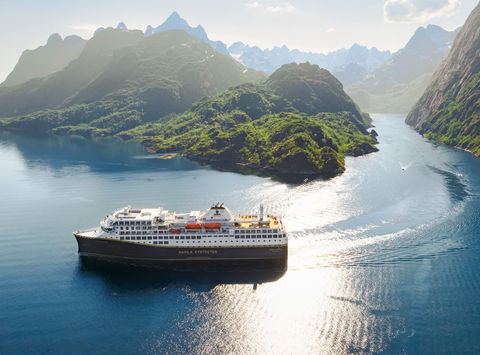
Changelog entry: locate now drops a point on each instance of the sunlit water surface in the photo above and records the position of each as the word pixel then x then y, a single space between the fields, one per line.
pixel 382 258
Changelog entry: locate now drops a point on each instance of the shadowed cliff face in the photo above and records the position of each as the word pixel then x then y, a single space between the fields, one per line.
pixel 449 110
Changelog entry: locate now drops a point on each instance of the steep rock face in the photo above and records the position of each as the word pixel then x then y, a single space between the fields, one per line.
pixel 175 22
pixel 53 56
pixel 397 84
pixel 449 110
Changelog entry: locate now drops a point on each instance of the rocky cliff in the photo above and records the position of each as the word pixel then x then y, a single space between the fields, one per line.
pixel 449 110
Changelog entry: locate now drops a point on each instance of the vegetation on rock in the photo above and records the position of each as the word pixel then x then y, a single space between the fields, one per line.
pixel 449 110
pixel 298 121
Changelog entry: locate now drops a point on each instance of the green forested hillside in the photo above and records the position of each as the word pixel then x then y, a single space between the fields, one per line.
pixel 120 80
pixel 298 121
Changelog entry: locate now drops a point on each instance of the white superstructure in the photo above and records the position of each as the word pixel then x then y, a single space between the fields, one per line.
pixel 216 227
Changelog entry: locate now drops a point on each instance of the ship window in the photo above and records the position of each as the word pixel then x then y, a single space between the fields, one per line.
pixel 199 237
pixel 165 242
pixel 144 238
pixel 154 242
pixel 176 237
pixel 122 238
pixel 236 237
pixel 242 236
pixel 149 238
pixel 188 237
pixel 243 231
pixel 248 236
pixel 182 237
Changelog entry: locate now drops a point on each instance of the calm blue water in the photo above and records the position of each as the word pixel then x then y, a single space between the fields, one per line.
pixel 384 258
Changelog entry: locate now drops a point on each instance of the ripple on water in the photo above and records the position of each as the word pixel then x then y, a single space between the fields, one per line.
pixel 381 258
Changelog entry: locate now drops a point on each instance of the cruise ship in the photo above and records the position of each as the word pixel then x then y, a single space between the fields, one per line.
pixel 216 235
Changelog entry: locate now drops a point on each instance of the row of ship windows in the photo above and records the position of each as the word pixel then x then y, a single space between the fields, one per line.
pixel 154 231
pixel 250 231
pixel 165 242
pixel 199 236
pixel 188 237
pixel 145 226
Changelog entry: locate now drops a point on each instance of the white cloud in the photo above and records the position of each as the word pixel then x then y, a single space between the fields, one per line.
pixel 331 30
pixel 418 11
pixel 289 8
pixel 253 4
pixel 277 8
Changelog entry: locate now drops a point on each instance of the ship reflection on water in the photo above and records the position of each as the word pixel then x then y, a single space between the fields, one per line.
pixel 141 275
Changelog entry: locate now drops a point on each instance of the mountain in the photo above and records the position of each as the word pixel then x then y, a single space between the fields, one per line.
pixel 47 59
pixel 349 73
pixel 449 109
pixel 398 83
pixel 120 80
pixel 55 89
pixel 175 22
pixel 269 60
pixel 298 121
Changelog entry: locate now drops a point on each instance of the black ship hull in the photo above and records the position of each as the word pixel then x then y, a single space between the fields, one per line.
pixel 270 256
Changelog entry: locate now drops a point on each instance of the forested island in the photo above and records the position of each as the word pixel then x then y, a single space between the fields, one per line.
pixel 174 93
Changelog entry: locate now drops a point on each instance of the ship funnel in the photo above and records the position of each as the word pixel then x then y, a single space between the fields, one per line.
pixel 261 212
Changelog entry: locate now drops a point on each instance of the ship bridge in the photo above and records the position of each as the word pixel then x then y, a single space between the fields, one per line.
pixel 218 213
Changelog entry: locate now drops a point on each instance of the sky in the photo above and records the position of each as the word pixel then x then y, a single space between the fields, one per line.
pixel 310 25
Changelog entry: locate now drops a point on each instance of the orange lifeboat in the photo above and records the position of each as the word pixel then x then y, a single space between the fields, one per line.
pixel 212 225
pixel 175 231
pixel 193 226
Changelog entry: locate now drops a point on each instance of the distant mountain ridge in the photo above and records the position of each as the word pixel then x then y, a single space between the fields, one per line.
pixel 398 83
pixel 348 64
pixel 46 59
pixel 269 60
pixel 175 22
pixel 449 109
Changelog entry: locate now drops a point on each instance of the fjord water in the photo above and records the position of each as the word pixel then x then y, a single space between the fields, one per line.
pixel 384 258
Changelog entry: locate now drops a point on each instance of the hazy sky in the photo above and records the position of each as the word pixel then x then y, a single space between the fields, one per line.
pixel 315 25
